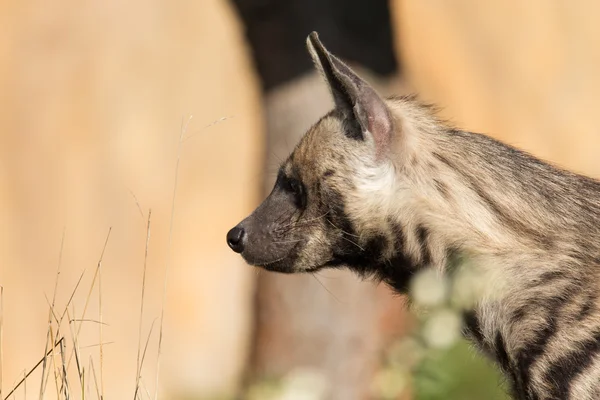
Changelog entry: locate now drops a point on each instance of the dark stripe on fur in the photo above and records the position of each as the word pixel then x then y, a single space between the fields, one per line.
pixel 533 350
pixel 588 307
pixel 399 239
pixel 398 272
pixel 566 369
pixel 367 259
pixel 521 312
pixel 551 277
pixel 472 327
pixel 400 269
pixel 531 353
pixel 504 361
pixel 336 214
pixel 526 361
pixel 423 237
pixel 442 188
pixel 515 225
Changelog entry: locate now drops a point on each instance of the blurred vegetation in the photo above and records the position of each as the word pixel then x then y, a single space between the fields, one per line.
pixel 455 373
pixel 458 373
pixel 435 363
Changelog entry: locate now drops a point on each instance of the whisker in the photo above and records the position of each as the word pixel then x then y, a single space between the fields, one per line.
pixel 325 287
pixel 347 233
pixel 293 228
pixel 320 274
pixel 337 227
pixel 305 221
pixel 283 217
pixel 354 243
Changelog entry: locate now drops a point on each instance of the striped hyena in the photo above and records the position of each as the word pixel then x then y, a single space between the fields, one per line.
pixel 385 188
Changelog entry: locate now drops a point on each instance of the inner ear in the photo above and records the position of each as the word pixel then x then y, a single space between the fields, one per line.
pixel 354 97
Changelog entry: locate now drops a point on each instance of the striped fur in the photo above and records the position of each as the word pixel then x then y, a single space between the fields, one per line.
pixel 389 191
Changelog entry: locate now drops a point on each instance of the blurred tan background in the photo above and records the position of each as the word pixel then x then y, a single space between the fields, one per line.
pixel 92 99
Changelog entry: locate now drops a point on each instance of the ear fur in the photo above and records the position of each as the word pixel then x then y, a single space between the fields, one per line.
pixel 354 97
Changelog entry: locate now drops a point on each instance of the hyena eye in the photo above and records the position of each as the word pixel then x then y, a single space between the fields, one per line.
pixel 294 187
pixel 297 190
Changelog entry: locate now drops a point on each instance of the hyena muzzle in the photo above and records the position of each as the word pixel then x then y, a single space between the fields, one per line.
pixel 385 188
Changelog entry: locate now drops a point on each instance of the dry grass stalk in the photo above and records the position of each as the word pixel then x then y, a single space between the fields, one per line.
pixel 93 284
pixel 18 384
pixel 49 336
pixel 140 361
pixel 95 378
pixel 183 130
pixel 76 349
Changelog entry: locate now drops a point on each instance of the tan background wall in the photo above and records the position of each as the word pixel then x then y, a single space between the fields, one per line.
pixel 522 71
pixel 92 98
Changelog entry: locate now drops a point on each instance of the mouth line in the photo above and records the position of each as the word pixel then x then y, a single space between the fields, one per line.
pixel 267 263
pixel 270 265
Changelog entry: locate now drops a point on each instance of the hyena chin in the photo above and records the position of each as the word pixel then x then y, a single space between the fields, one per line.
pixel 381 186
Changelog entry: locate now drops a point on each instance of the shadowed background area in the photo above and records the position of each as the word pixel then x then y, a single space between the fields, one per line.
pixel 94 100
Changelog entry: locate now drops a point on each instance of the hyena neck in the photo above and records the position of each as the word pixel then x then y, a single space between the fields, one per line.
pixel 470 193
pixel 451 191
pixel 532 231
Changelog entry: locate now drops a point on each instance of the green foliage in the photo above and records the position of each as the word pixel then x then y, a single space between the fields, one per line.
pixel 434 361
pixel 458 373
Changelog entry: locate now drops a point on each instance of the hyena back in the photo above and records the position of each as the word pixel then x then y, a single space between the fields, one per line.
pixel 383 187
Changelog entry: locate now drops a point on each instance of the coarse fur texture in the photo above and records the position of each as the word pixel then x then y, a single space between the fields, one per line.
pixel 383 187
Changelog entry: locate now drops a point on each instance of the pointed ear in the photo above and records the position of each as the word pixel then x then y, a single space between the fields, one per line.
pixel 354 97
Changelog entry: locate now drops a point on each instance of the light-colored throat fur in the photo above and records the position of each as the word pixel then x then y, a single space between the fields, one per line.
pixel 531 229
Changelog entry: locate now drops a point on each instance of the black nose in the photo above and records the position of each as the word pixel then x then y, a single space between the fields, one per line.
pixel 236 238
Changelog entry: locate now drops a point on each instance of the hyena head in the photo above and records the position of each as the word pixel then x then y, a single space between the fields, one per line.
pixel 331 204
